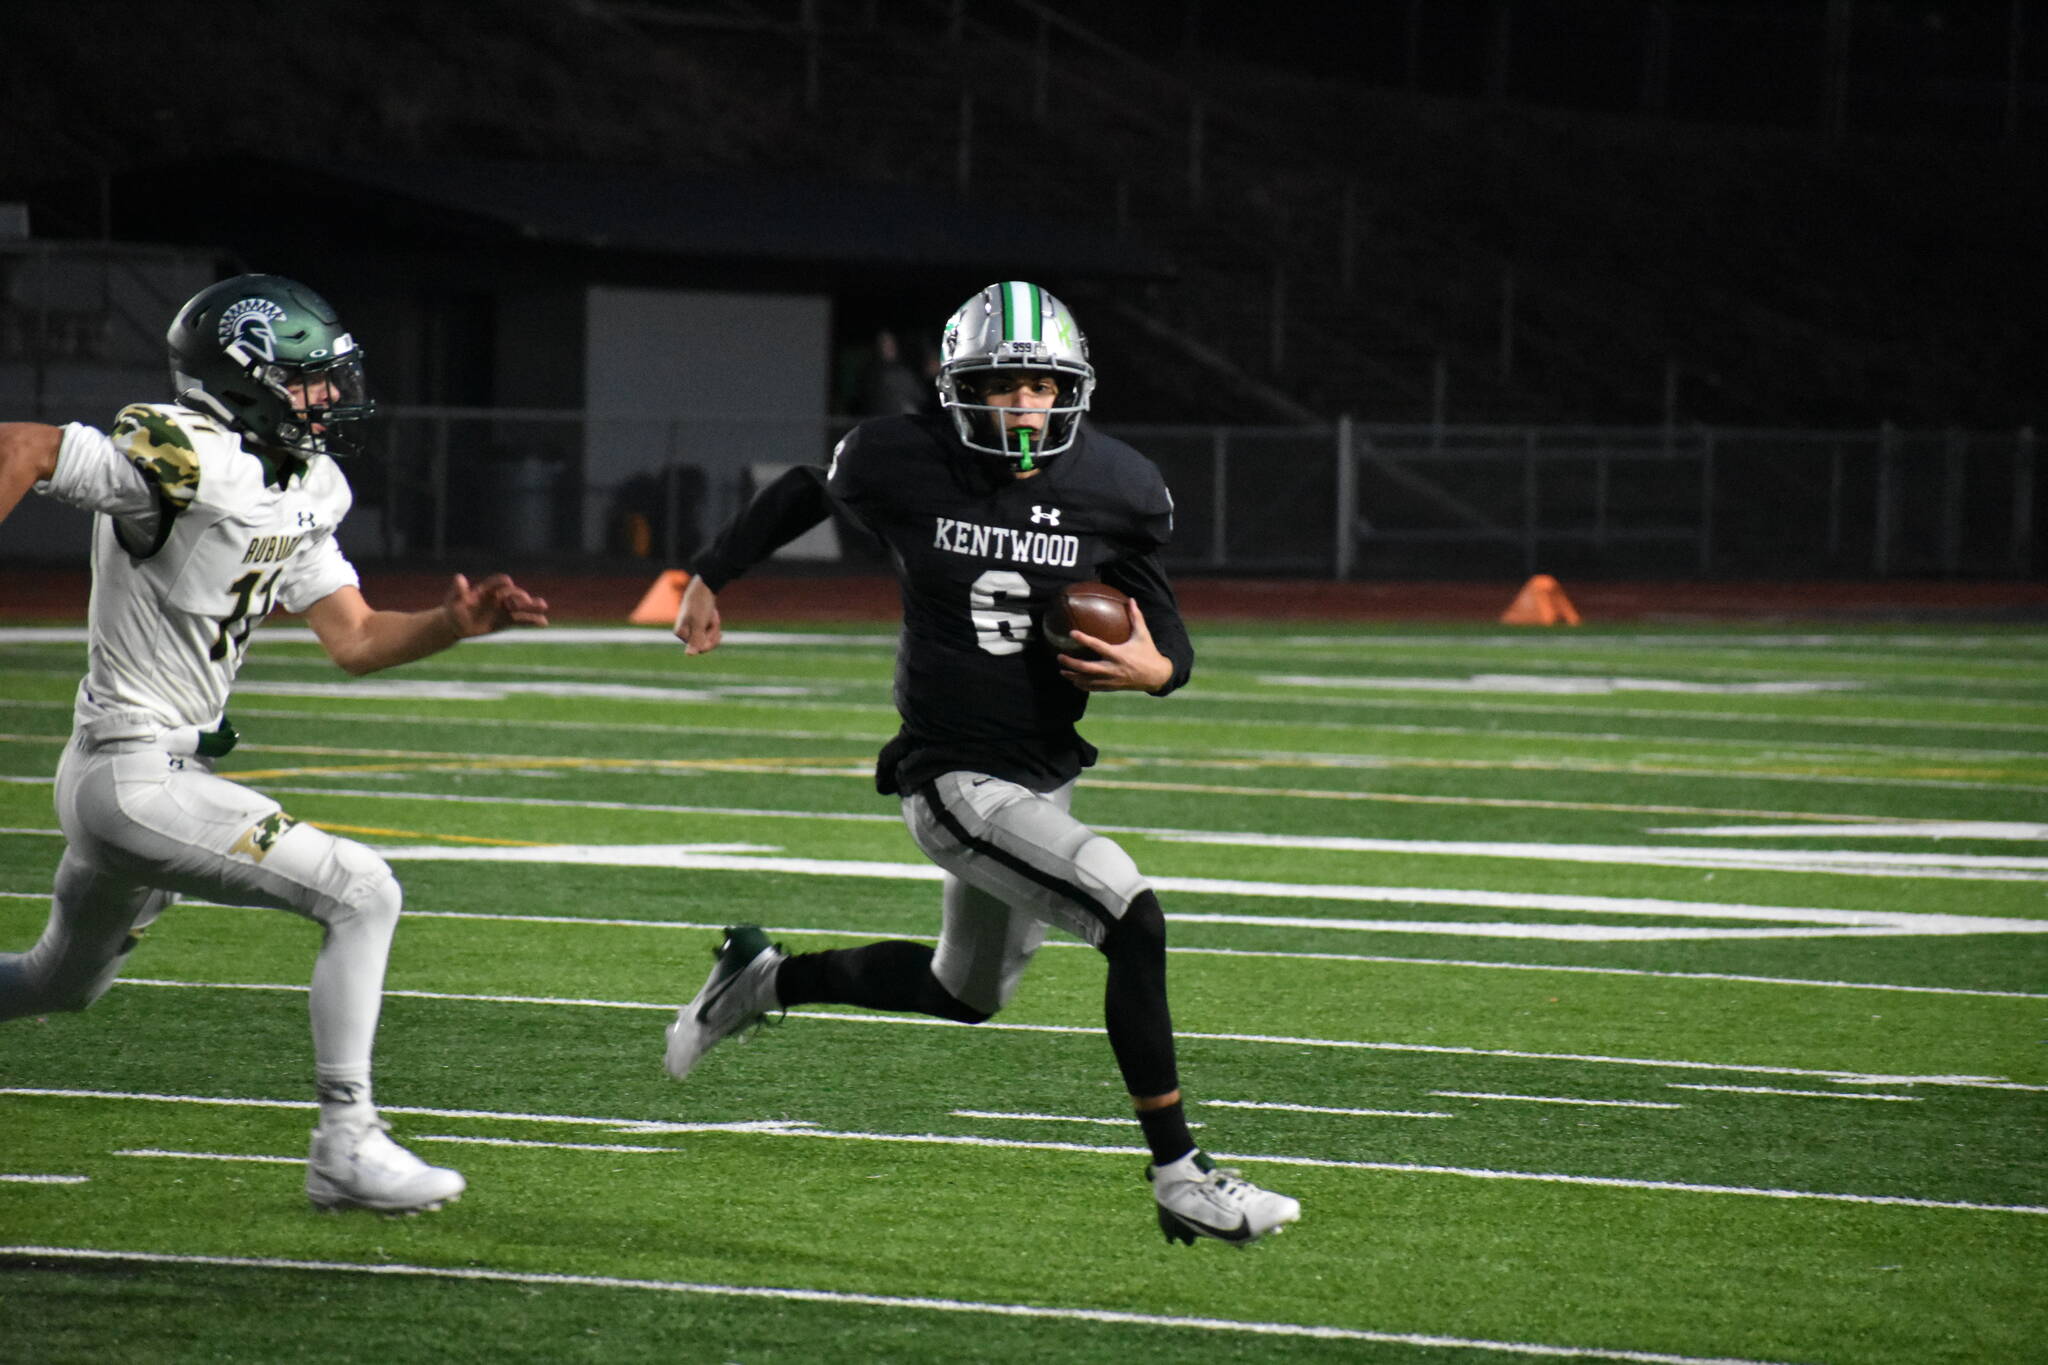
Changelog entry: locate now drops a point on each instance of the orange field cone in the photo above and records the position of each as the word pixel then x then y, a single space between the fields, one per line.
pixel 1540 603
pixel 663 600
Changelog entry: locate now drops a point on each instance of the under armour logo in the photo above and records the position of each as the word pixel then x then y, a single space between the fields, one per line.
pixel 1049 515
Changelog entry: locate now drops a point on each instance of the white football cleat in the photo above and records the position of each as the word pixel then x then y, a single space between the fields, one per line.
pixel 357 1166
pixel 740 991
pixel 1199 1199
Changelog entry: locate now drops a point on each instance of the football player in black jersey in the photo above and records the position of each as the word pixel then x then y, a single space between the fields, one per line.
pixel 987 509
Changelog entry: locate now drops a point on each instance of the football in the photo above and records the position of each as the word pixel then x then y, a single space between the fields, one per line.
pixel 1096 608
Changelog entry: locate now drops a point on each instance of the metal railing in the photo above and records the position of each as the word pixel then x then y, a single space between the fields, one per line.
pixel 1345 499
pixel 1342 499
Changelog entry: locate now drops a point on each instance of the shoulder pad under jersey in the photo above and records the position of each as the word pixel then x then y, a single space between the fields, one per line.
pixel 164 443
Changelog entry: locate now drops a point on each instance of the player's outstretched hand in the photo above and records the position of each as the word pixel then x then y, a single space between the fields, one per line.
pixel 1136 665
pixel 697 621
pixel 495 604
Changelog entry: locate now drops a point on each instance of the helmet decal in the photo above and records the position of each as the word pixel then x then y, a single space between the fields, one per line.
pixel 1020 311
pixel 247 324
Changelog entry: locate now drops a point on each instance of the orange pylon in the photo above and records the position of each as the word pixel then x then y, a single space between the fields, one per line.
pixel 663 600
pixel 1540 603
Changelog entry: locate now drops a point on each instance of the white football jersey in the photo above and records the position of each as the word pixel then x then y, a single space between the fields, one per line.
pixel 191 549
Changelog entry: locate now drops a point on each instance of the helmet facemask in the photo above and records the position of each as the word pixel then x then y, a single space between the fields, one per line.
pixel 984 426
pixel 1006 329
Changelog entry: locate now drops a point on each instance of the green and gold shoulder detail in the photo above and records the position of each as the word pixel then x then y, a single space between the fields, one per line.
pixel 160 442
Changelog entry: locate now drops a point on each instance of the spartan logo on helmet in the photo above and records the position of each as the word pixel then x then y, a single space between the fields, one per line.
pixel 248 324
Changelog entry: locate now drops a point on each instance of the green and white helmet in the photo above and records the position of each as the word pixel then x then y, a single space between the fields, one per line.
pixel 236 347
pixel 1014 326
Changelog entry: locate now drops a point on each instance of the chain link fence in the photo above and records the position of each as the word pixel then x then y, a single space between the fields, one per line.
pixel 1337 500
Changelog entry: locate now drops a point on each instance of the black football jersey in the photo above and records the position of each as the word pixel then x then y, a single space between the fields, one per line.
pixel 979 555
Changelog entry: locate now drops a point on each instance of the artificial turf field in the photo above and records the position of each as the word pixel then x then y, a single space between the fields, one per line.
pixel 1645 994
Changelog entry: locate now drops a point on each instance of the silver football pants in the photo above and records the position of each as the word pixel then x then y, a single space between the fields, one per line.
pixel 1016 863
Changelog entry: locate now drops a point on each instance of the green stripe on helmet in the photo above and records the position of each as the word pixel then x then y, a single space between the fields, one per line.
pixel 1020 311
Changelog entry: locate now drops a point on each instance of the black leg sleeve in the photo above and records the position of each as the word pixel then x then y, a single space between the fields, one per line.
pixel 891 975
pixel 1134 1000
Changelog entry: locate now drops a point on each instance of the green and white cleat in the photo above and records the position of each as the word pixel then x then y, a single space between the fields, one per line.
pixel 739 992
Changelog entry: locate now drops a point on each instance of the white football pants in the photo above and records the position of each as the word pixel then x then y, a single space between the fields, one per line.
pixel 1016 863
pixel 144 827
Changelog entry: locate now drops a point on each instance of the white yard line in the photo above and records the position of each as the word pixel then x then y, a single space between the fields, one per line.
pixel 1122 1122
pixel 1266 1159
pixel 1804 1094
pixel 1575 768
pixel 1770 745
pixel 807 697
pixel 1839 923
pixel 1849 862
pixel 803 1128
pixel 847 687
pixel 1823 826
pixel 1164 756
pixel 247 1157
pixel 1574 969
pixel 1493 705
pixel 1128 755
pixel 638 807
pixel 1865 827
pixel 1539 684
pixel 1553 1099
pixel 892 818
pixel 1907 829
pixel 8 1179
pixel 803 698
pixel 1111 1317
pixel 491 1115
pixel 1873 645
pixel 507 723
pixel 1004 1026
pixel 1570 969
pixel 1321 1109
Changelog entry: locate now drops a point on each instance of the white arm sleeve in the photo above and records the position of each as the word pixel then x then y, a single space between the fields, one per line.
pixel 93 475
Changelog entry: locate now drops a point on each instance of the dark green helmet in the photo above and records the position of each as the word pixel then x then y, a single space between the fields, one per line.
pixel 240 347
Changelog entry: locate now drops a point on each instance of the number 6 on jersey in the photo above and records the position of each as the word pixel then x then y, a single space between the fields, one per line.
pixel 996 630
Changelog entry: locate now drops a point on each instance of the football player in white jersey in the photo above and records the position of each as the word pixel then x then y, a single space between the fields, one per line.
pixel 212 509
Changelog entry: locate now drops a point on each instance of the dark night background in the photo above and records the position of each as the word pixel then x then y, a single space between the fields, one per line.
pixel 1706 195
pixel 1746 213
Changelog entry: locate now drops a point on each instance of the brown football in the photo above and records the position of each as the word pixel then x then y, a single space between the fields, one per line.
pixel 1096 608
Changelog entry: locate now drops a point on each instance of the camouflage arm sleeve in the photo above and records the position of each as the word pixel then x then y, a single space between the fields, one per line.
pixel 162 452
